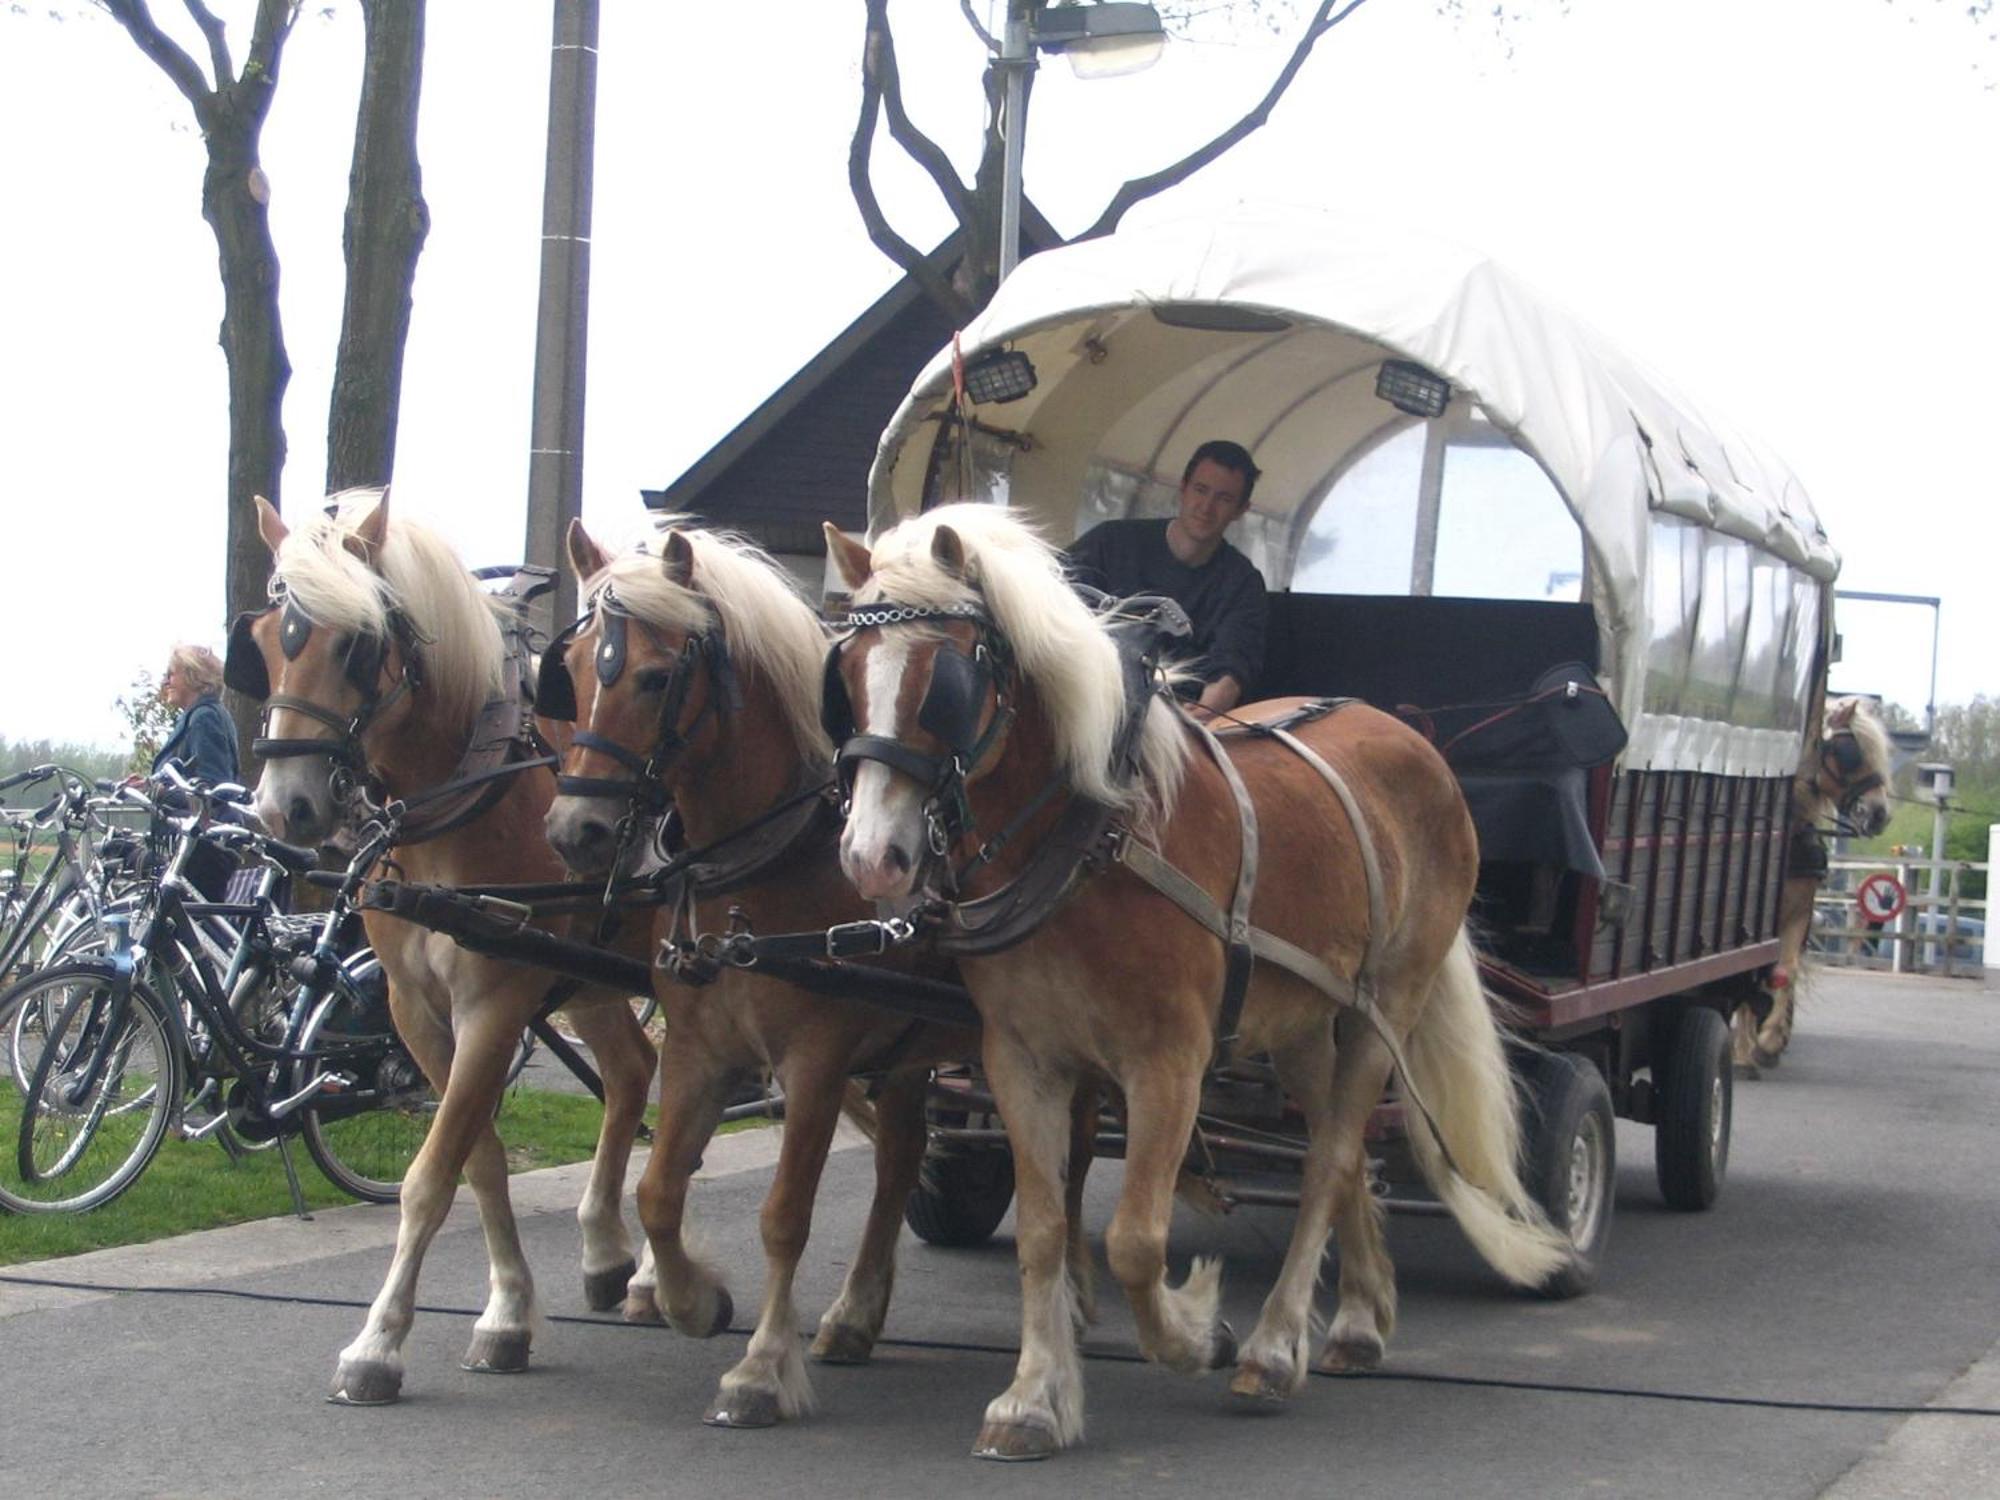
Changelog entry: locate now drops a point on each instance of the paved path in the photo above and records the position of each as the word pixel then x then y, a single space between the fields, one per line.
pixel 1799 1340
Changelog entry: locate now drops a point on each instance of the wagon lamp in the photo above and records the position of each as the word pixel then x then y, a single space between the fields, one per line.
pixel 1100 41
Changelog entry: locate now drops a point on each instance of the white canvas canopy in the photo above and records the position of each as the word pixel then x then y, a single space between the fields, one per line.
pixel 1271 327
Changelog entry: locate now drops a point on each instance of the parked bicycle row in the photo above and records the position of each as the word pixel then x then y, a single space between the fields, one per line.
pixel 159 984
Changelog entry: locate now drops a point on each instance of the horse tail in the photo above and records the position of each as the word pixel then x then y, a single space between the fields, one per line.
pixel 1459 1069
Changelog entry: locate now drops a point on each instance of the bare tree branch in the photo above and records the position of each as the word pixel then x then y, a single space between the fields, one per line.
pixel 218 42
pixel 992 45
pixel 879 58
pixel 1140 188
pixel 268 36
pixel 891 244
pixel 182 71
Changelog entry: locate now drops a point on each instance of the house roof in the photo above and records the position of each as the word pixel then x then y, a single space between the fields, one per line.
pixel 802 456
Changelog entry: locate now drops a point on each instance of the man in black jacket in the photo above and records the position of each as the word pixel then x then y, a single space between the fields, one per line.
pixel 1187 559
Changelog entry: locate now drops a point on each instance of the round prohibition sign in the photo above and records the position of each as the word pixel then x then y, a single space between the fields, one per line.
pixel 1881 897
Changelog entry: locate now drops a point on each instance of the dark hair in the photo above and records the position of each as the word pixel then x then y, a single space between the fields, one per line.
pixel 1231 456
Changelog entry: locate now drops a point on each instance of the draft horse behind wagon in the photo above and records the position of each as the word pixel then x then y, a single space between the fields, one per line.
pixel 986 703
pixel 389 676
pixel 1842 786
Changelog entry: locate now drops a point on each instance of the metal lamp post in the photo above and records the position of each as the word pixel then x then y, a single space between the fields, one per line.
pixel 1100 41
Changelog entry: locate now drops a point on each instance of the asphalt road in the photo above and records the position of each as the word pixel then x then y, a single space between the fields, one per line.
pixel 1798 1340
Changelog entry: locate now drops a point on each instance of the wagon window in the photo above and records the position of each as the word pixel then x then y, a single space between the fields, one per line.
pixel 1757 687
pixel 1361 536
pixel 1503 529
pixel 1673 596
pixel 1721 626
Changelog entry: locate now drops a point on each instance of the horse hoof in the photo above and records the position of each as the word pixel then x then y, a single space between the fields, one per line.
pixel 1764 1059
pixel 1748 1070
pixel 497 1353
pixel 746 1407
pixel 604 1290
pixel 640 1307
pixel 1014 1442
pixel 725 1309
pixel 842 1344
pixel 1258 1388
pixel 365 1383
pixel 1222 1346
pixel 1352 1355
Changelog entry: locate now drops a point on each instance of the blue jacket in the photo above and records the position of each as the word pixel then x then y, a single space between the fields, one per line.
pixel 203 742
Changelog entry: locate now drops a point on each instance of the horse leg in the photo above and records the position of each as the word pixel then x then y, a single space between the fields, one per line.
pixel 686 1292
pixel 1178 1326
pixel 848 1331
pixel 1042 1410
pixel 1276 1357
pixel 469 1076
pixel 1082 1270
pixel 770 1384
pixel 1366 1314
pixel 625 1062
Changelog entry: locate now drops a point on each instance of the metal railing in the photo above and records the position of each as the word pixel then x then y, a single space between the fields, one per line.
pixel 1940 929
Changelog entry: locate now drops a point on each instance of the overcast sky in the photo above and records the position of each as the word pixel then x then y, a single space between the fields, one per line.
pixel 1787 206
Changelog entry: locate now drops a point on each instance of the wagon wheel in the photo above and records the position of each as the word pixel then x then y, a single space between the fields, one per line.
pixel 1569 1154
pixel 1693 1085
pixel 964 1192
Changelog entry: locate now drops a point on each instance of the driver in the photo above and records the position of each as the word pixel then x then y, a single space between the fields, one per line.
pixel 1187 560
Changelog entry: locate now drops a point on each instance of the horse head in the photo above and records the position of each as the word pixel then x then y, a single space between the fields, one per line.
pixel 334 660
pixel 650 676
pixel 1851 775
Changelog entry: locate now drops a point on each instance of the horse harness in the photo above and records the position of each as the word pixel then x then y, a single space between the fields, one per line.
pixel 1088 835
pixel 1842 759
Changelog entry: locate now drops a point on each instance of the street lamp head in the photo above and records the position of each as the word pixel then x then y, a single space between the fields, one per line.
pixel 1104 40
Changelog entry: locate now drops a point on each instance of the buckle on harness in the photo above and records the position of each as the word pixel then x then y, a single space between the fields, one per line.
pixel 867 939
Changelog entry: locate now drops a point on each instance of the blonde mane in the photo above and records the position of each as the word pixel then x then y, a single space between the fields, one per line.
pixel 774 634
pixel 1058 644
pixel 455 621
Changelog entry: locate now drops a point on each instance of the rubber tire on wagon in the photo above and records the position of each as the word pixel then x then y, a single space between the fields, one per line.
pixel 1694 1102
pixel 963 1194
pixel 1569 1159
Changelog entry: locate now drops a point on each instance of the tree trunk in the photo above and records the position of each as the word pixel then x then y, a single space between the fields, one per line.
pixel 387 221
pixel 235 201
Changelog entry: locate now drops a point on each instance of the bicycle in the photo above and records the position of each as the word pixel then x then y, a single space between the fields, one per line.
pixel 263 1024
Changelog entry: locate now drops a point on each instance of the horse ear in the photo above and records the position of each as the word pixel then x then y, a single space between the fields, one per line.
pixel 850 559
pixel 677 557
pixel 365 541
pixel 948 551
pixel 586 558
pixel 270 525
pixel 1842 713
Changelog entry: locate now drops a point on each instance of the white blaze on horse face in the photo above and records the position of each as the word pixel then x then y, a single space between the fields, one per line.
pixel 884 840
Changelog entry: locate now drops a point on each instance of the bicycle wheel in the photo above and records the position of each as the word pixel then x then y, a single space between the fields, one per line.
pixel 98 1101
pixel 364 1151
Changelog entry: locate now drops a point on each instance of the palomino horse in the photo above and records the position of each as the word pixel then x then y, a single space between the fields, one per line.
pixel 384 639
pixel 965 602
pixel 1844 776
pixel 698 666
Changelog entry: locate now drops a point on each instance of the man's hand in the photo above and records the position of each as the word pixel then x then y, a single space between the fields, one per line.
pixel 1222 694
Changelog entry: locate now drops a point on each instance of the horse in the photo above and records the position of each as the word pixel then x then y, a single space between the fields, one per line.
pixel 694 678
pixel 1843 780
pixel 982 689
pixel 379 660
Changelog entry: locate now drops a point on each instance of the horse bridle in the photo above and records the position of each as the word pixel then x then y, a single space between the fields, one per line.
pixel 555 698
pixel 953 707
pixel 244 670
pixel 1841 757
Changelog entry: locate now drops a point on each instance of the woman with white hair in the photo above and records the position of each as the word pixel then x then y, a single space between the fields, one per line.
pixel 203 742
